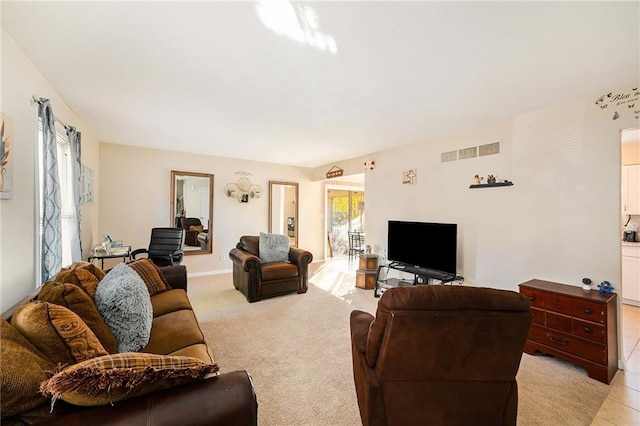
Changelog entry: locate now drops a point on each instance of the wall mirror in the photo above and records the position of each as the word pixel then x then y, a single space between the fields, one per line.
pixel 192 209
pixel 283 209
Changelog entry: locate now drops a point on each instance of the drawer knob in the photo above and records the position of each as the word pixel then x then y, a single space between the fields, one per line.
pixel 531 298
pixel 587 310
pixel 557 342
pixel 587 330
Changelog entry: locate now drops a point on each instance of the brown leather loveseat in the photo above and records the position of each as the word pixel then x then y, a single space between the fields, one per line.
pixel 440 355
pixel 260 280
pixel 224 399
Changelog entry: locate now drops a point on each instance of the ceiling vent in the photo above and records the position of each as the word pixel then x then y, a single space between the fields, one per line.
pixel 465 153
pixel 448 156
pixel 489 149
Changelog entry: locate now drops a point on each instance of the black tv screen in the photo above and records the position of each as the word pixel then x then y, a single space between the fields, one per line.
pixel 423 244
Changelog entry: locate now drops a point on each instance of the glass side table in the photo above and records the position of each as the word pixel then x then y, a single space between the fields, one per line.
pixel 112 253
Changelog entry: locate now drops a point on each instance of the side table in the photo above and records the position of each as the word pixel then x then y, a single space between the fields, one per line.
pixel 124 253
pixel 368 269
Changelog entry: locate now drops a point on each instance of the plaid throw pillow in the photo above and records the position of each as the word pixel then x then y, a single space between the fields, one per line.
pixel 112 378
pixel 151 275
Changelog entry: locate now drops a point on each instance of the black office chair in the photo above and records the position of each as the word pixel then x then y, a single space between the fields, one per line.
pixel 165 247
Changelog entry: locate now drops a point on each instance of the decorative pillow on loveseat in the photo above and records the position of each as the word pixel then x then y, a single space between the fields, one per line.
pixel 61 335
pixel 273 248
pixel 151 275
pixel 83 274
pixel 77 300
pixel 123 301
pixel 113 378
pixel 22 368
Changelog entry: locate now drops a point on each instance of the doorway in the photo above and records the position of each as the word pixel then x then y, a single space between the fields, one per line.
pixel 630 259
pixel 345 213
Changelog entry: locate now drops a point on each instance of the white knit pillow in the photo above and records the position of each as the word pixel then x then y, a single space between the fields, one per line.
pixel 123 301
pixel 273 248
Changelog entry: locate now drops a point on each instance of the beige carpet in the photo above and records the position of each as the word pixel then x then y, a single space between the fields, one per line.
pixel 297 349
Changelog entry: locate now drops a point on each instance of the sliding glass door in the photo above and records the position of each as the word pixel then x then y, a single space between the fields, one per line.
pixel 345 214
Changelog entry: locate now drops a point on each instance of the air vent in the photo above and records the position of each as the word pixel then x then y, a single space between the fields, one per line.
pixel 448 156
pixel 489 149
pixel 465 153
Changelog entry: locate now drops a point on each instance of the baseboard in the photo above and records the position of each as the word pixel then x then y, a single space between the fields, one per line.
pixel 225 271
pixel 621 365
pixel 206 273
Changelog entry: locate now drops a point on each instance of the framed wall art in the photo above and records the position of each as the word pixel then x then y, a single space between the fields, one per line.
pixel 6 163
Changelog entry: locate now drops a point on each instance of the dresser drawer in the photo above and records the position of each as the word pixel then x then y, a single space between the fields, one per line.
pixel 589 330
pixel 558 321
pixel 538 316
pixel 590 311
pixel 567 343
pixel 536 298
pixel 557 303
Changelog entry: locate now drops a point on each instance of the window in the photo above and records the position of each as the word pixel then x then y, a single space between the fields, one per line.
pixel 65 177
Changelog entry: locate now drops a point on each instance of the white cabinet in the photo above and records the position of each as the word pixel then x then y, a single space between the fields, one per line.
pixel 631 274
pixel 631 189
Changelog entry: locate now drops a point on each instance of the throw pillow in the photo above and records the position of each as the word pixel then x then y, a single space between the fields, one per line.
pixel 198 228
pixel 83 274
pixel 273 248
pixel 60 334
pixel 123 301
pixel 22 369
pixel 77 300
pixel 151 275
pixel 113 378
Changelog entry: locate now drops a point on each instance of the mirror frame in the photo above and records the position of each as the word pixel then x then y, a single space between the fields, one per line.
pixel 297 215
pixel 174 175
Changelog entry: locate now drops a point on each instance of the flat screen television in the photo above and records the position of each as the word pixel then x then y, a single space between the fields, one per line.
pixel 423 244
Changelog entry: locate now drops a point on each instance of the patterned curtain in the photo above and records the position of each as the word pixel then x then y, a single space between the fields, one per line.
pixel 51 244
pixel 76 172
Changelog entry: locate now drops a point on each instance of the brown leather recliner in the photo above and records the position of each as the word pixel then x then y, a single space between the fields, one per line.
pixel 191 235
pixel 260 280
pixel 440 355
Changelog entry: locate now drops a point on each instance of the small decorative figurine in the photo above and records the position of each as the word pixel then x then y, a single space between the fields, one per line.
pixel 491 179
pixel 477 179
pixel 605 287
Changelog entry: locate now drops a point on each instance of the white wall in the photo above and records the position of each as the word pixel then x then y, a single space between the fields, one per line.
pixel 21 80
pixel 135 189
pixel 561 219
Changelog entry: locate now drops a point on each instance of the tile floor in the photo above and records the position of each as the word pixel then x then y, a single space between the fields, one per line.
pixel 622 406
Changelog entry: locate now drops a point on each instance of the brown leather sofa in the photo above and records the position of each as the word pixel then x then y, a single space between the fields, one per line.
pixel 261 280
pixel 226 399
pixel 440 355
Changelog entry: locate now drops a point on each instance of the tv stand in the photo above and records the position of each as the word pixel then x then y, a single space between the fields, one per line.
pixel 421 276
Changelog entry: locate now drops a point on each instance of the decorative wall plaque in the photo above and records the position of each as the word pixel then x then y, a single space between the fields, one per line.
pixel 335 171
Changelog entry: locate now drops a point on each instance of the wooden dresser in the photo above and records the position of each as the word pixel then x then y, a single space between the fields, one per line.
pixel 577 325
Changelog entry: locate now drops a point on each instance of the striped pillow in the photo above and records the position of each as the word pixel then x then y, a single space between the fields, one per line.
pixel 151 275
pixel 112 378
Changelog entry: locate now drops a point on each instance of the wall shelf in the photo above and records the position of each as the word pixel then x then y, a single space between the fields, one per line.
pixel 491 185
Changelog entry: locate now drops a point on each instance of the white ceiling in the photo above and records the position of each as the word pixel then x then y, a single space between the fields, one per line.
pixel 209 77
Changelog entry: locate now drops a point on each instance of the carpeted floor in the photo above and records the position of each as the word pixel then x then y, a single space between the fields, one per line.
pixel 297 349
